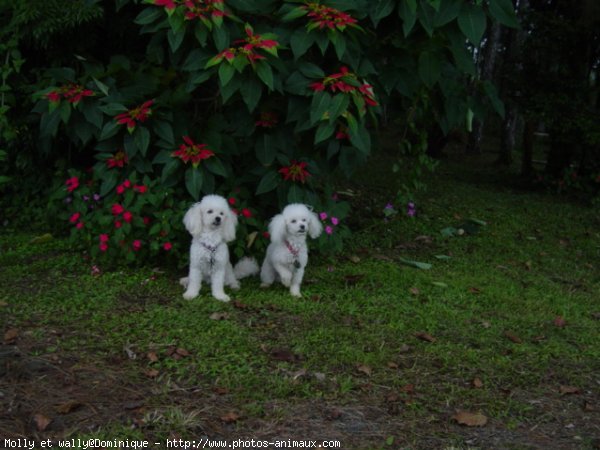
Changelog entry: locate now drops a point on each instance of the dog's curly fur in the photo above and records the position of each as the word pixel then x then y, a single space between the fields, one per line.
pixel 212 223
pixel 287 254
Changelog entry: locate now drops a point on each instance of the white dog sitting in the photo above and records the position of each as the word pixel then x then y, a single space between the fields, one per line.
pixel 287 254
pixel 212 225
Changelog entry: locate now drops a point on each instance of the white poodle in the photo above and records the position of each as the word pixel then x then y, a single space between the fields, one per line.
pixel 287 254
pixel 212 225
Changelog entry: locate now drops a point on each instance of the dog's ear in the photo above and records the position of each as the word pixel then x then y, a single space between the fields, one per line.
pixel 230 225
pixel 193 219
pixel 277 228
pixel 315 228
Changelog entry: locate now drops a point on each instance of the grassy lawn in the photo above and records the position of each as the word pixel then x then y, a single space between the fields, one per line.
pixel 377 355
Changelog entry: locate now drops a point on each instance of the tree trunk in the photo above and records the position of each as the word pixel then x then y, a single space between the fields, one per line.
pixel 527 161
pixel 489 54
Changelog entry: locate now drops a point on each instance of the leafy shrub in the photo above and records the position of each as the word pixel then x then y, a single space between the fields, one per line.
pixel 261 101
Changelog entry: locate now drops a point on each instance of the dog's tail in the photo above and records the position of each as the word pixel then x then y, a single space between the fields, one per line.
pixel 245 267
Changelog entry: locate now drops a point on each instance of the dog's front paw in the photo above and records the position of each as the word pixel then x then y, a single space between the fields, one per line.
pixel 190 295
pixel 222 297
pixel 286 281
pixel 235 286
pixel 295 291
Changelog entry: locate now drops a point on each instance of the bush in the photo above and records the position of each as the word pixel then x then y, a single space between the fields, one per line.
pixel 263 102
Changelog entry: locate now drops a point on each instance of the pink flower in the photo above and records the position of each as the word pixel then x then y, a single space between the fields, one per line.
pixel 127 216
pixel 103 246
pixel 120 189
pixel 167 246
pixel 141 189
pixel 118 224
pixel 335 220
pixel 117 209
pixel 79 225
pixel 231 201
pixel 103 238
pixel 72 184
pixel 328 230
pixel 74 218
pixel 323 215
pixel 126 184
pixel 246 213
pixel 136 245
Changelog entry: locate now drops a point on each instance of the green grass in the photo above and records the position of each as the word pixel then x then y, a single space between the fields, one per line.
pixel 352 339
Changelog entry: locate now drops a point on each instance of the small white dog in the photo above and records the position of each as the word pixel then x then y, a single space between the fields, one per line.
pixel 212 225
pixel 287 254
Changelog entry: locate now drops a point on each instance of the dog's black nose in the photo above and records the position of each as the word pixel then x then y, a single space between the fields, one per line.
pixel 217 219
pixel 302 227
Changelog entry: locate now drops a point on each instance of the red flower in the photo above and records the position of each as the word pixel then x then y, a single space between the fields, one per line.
pixel 136 245
pixel 246 213
pixel 120 189
pixel 117 209
pixel 74 218
pixel 317 86
pixel 135 115
pixel 167 246
pixel 200 9
pixel 127 216
pixel 322 16
pixel 192 152
pixel 127 184
pixel 266 234
pixel 267 120
pixel 248 47
pixel 342 133
pixel 141 189
pixel 79 225
pixel 118 224
pixel 118 160
pixel 103 246
pixel 168 4
pixel 103 238
pixel 72 184
pixel 73 93
pixel 53 97
pixel 295 172
pixel 231 201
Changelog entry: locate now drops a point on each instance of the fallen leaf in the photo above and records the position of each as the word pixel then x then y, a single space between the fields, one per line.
pixel 220 390
pixel 219 316
pixel 11 336
pixel 425 337
pixel 470 419
pixel 355 259
pixel 283 355
pixel 408 389
pixel 404 348
pixel 315 298
pixel 414 291
pixel 588 407
pixel 3 303
pixel 486 324
pixel 152 356
pixel 41 422
pixel 151 373
pixel 392 365
pixel 566 390
pixel 477 383
pixel 68 407
pixel 352 280
pixel 365 369
pixel 559 321
pixel 239 305
pixel 513 337
pixel 230 417
pixel 182 352
pixel 474 290
pixel 528 265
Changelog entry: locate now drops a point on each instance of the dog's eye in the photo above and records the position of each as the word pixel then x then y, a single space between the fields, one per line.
pixel 210 211
pixel 303 220
pixel 222 213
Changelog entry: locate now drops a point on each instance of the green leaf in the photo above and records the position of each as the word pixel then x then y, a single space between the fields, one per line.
pixel 360 138
pixel 339 43
pixel 175 39
pixel 110 129
pixel 319 105
pixel 429 68
pixel 103 87
pixel 164 130
pixel 300 42
pixel 294 14
pixel 251 91
pixel 408 13
pixel 215 166
pixel 447 13
pixel 266 150
pixel 472 22
pixel 141 136
pixel 108 183
pixel 338 106
pixel 381 9
pixel 148 15
pixel 230 89
pixel 268 182
pixel 310 70
pixel 264 72
pixel 324 131
pixel 221 38
pixel 295 194
pixel 92 114
pixel 416 264
pixel 169 170
pixel 297 84
pixel 226 72
pixel 193 181
pixel 504 12
pixel 426 17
